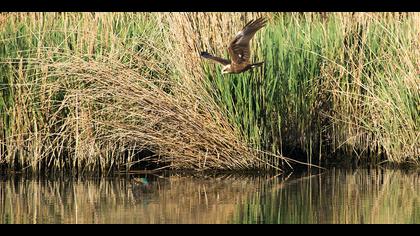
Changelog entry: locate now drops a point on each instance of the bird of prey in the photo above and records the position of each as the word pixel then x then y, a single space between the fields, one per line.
pixel 239 49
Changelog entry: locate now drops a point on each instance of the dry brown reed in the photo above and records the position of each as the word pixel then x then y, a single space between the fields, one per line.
pixel 143 109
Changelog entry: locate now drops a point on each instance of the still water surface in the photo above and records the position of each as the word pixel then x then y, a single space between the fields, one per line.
pixel 334 196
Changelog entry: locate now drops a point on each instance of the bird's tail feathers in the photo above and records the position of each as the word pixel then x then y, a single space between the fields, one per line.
pixel 206 55
pixel 217 59
pixel 258 64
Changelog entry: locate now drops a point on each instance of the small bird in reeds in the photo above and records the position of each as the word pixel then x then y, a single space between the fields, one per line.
pixel 239 49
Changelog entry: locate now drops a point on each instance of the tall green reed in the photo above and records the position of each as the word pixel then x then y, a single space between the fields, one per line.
pixel 334 84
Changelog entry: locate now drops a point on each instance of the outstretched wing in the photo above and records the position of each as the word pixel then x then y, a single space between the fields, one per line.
pixel 239 49
pixel 214 58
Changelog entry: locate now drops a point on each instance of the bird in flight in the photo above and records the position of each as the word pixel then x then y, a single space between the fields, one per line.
pixel 239 49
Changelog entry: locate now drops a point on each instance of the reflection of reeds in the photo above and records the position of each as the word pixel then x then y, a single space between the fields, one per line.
pixel 339 196
pixel 171 200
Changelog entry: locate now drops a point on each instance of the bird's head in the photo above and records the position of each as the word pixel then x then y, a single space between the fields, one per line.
pixel 226 69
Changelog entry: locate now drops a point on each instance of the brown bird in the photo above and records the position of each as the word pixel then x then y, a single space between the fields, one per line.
pixel 239 50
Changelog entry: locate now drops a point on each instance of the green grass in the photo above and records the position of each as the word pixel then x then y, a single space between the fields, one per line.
pixel 343 86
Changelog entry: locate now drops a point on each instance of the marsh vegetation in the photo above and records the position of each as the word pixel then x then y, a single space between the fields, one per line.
pixel 98 92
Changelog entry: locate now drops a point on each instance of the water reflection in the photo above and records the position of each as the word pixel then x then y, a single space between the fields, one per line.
pixel 335 196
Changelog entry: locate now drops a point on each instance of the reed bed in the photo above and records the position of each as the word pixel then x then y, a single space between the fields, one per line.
pixel 93 100
pixel 343 85
pixel 92 92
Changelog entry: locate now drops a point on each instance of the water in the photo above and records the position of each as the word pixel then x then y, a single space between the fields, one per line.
pixel 334 196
